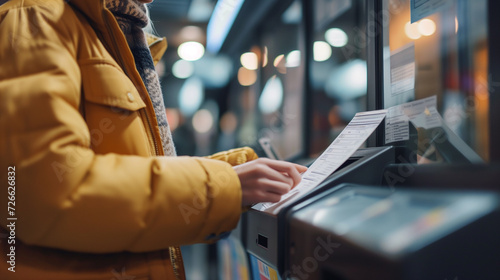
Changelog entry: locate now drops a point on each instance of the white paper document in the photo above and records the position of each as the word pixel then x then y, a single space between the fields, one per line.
pixel 402 62
pixel 352 137
pixel 403 79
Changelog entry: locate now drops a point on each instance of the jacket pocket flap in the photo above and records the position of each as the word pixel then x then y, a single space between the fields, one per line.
pixel 105 84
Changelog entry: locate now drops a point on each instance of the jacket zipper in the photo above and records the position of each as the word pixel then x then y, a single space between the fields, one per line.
pixel 142 111
pixel 176 260
pixel 175 252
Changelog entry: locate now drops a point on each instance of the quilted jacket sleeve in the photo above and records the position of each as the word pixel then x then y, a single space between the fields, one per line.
pixel 68 197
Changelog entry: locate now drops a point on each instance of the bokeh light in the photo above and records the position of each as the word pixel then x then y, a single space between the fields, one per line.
pixel 191 51
pixel 427 27
pixel 246 77
pixel 228 122
pixel 182 69
pixel 265 59
pixel 249 60
pixel 322 51
pixel 272 95
pixel 411 30
pixel 203 121
pixel 191 96
pixel 293 59
pixel 336 37
pixel 280 63
pixel 173 118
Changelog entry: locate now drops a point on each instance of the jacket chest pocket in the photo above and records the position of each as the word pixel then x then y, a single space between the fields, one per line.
pixel 112 109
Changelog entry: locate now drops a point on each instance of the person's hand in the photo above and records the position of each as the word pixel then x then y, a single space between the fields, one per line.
pixel 266 180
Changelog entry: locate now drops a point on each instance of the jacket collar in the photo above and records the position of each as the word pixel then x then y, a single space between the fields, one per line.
pixel 99 16
pixel 93 9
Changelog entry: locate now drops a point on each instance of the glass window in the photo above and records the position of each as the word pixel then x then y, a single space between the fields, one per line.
pixel 338 69
pixel 438 50
pixel 268 97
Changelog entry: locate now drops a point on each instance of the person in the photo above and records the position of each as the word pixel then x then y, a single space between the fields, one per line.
pixel 95 190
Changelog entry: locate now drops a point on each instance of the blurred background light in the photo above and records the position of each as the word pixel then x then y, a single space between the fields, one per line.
pixel 336 37
pixel 191 51
pixel 214 71
pixel 426 27
pixel 250 60
pixel 213 108
pixel 280 63
pixel 272 95
pixel 247 77
pixel 349 81
pixel 173 118
pixel 265 58
pixel 322 51
pixel 278 60
pixel 203 121
pixel 411 30
pixel 228 123
pixel 220 23
pixel 293 59
pixel 191 33
pixel 200 10
pixel 183 69
pixel 191 96
pixel 293 15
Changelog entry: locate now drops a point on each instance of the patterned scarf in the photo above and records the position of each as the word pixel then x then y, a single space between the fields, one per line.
pixel 132 17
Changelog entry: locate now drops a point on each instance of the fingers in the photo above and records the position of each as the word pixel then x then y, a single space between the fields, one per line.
pixel 300 168
pixel 273 186
pixel 266 180
pixel 274 175
pixel 251 196
pixel 290 169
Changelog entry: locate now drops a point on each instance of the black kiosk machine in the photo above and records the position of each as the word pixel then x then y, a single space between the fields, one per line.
pixel 264 229
pixel 423 202
pixel 266 224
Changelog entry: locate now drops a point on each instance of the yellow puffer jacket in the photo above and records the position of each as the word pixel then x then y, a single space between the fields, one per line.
pixel 93 198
